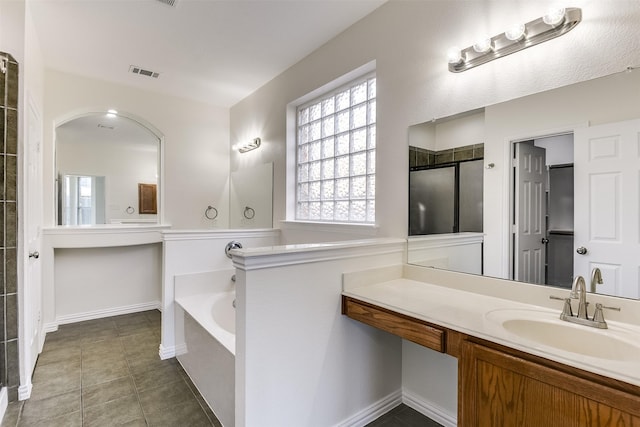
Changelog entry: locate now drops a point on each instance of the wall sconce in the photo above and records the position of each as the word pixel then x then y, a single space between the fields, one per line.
pixel 556 22
pixel 252 145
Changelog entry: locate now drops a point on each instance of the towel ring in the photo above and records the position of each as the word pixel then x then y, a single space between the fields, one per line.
pixel 130 210
pixel 249 213
pixel 211 212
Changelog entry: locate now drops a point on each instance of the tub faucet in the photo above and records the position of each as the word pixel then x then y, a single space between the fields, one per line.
pixel 596 279
pixel 234 244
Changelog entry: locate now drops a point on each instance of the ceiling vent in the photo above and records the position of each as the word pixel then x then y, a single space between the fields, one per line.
pixel 171 3
pixel 141 71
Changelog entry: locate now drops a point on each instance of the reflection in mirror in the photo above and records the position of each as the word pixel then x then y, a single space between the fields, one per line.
pixel 82 200
pixel 100 160
pixel 560 192
pixel 250 197
pixel 446 192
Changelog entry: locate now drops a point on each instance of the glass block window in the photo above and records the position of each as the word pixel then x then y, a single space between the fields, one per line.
pixel 336 155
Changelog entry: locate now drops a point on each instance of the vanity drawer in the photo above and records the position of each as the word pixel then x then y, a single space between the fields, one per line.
pixel 398 324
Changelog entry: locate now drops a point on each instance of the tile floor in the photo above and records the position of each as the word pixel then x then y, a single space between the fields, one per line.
pixel 403 416
pixel 107 372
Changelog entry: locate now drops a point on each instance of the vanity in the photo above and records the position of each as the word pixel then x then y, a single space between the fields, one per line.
pixel 518 363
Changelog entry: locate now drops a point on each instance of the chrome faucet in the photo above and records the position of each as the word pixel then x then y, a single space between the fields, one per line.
pixel 579 292
pixel 596 279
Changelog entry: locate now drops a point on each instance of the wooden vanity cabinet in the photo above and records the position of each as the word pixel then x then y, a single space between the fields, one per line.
pixel 499 386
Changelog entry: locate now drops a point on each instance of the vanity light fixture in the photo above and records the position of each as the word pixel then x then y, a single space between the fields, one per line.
pixel 556 22
pixel 251 145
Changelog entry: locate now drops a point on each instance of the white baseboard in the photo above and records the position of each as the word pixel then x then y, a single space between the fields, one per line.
pixel 167 352
pixel 24 391
pixel 50 327
pixel 4 402
pixel 99 314
pixel 429 409
pixel 373 411
pixel 181 349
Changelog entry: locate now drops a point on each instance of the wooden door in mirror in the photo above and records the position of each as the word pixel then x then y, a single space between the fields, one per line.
pixel 147 199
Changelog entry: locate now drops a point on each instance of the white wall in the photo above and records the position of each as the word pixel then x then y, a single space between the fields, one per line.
pixel 253 188
pixel 196 143
pixel 299 361
pixel 98 282
pixel 409 41
pixel 559 149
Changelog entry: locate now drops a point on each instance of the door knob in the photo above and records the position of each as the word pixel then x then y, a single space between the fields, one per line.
pixel 34 255
pixel 581 250
pixel 544 240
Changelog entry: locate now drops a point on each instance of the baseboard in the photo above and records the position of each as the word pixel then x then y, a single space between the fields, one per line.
pixel 180 349
pixel 167 352
pixel 429 409
pixel 99 314
pixel 4 402
pixel 50 327
pixel 24 391
pixel 373 411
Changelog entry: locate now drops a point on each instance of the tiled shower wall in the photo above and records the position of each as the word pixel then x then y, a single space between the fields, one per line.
pixel 9 372
pixel 421 157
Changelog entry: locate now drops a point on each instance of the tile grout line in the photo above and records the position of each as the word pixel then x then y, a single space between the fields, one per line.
pixel 132 379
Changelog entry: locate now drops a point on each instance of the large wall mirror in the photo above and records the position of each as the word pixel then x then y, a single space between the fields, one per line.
pixel 560 187
pixel 102 161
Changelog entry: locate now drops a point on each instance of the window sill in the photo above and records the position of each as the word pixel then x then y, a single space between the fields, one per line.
pixel 332 227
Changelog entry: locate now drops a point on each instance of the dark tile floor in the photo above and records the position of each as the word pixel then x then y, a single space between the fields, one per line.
pixel 107 372
pixel 403 416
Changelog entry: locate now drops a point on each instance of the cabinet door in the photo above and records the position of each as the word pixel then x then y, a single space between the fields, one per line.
pixel 498 389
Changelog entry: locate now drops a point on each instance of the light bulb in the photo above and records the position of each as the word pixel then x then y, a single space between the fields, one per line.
pixel 483 45
pixel 454 55
pixel 554 16
pixel 515 33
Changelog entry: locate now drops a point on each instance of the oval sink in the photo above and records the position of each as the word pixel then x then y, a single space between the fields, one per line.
pixel 547 329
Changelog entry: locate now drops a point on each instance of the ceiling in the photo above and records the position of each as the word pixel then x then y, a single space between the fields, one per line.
pixel 215 51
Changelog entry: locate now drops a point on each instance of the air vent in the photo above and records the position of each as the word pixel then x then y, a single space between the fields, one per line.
pixel 100 125
pixel 171 3
pixel 141 71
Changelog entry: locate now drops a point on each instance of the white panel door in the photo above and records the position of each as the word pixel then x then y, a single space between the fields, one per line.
pixel 607 194
pixel 530 208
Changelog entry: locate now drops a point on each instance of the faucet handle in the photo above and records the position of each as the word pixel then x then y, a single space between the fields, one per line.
pixel 598 316
pixel 566 309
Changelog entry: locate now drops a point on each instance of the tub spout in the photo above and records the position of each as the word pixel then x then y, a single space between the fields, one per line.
pixel 234 244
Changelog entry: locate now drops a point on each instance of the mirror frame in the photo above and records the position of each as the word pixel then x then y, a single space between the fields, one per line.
pixel 140 121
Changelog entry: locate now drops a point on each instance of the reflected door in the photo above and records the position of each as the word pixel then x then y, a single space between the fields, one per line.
pixel 607 189
pixel 530 208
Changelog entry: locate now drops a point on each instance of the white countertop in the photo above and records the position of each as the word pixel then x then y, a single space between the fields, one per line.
pixel 470 313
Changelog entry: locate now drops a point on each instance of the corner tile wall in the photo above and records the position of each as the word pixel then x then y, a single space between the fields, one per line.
pixel 9 372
